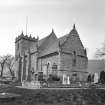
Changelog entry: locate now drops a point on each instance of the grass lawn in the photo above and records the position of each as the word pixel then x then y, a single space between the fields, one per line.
pixel 56 97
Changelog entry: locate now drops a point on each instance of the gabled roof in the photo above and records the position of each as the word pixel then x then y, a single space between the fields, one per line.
pixel 74 31
pixel 48 44
pixel 73 44
pixel 63 39
pixel 42 41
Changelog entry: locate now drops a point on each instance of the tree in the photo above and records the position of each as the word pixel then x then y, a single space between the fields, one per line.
pixel 10 63
pixel 100 53
pixel 3 60
pixel 7 61
pixel 102 76
pixel 89 78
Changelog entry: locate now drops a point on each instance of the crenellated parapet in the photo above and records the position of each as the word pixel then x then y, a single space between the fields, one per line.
pixel 26 37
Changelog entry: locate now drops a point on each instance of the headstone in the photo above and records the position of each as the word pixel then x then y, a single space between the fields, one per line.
pixel 44 69
pixel 68 80
pixel 64 81
pixel 96 77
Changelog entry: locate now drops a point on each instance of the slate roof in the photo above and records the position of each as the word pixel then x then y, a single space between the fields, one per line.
pixel 50 44
pixel 62 39
pixel 46 47
pixel 42 41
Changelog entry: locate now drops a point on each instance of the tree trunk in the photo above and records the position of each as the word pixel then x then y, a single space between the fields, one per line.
pixel 1 71
pixel 12 74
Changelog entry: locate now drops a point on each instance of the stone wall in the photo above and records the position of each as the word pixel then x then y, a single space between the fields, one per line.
pixel 80 68
pixel 81 63
pixel 23 43
pixel 71 50
pixel 66 61
pixel 34 62
pixel 51 60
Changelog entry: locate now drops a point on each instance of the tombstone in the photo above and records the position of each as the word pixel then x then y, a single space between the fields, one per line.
pixel 96 78
pixel 64 81
pixel 68 80
pixel 44 69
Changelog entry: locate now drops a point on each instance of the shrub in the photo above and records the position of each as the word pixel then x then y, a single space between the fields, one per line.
pixel 53 78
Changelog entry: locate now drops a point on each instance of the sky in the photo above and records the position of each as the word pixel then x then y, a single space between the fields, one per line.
pixel 43 15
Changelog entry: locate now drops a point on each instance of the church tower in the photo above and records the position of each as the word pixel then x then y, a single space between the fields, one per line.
pixel 23 43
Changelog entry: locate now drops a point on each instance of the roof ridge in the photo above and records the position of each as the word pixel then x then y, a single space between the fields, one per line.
pixel 45 40
pixel 62 37
pixel 49 35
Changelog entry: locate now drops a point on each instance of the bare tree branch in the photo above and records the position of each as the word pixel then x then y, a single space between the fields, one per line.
pixel 3 60
pixel 100 53
pixel 10 63
pixel 7 61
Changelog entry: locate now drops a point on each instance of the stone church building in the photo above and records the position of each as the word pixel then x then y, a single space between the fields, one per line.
pixel 51 55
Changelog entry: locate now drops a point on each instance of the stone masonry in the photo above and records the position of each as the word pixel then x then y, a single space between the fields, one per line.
pixel 51 55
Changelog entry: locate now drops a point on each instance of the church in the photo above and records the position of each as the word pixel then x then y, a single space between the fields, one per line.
pixel 51 56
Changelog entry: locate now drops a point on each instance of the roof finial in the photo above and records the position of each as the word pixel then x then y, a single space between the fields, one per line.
pixel 22 33
pixel 74 26
pixel 52 30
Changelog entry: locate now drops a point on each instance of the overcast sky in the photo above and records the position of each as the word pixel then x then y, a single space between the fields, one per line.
pixel 43 15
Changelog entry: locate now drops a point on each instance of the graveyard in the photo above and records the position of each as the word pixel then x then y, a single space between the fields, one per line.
pixel 50 52
pixel 54 96
pixel 54 92
pixel 74 94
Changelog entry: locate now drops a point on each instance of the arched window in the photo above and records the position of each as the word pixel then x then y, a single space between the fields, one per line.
pixel 48 68
pixel 54 68
pixel 48 64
